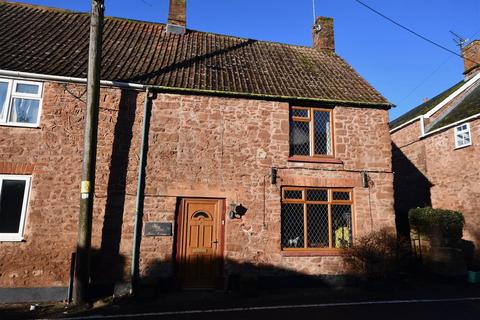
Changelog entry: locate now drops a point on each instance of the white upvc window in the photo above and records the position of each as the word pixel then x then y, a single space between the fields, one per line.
pixel 463 137
pixel 20 103
pixel 14 192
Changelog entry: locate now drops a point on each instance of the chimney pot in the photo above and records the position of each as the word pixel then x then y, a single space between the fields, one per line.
pixel 323 35
pixel 471 59
pixel 177 17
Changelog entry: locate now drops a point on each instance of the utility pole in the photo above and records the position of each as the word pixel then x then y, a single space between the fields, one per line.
pixel 82 263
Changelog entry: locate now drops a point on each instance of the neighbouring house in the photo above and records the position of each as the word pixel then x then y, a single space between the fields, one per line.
pixel 436 151
pixel 261 156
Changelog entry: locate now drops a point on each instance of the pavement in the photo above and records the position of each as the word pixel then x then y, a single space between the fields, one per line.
pixel 415 299
pixel 461 308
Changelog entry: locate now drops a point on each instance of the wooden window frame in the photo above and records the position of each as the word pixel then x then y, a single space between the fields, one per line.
pixel 17 236
pixel 330 202
pixel 311 120
pixel 12 94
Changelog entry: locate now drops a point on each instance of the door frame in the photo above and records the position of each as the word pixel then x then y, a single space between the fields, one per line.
pixel 179 235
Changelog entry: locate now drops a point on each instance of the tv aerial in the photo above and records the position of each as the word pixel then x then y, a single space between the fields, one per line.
pixel 459 40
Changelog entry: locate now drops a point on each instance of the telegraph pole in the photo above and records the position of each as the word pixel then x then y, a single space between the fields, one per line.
pixel 82 263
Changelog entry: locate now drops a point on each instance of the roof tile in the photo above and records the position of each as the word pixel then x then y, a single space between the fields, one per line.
pixel 55 42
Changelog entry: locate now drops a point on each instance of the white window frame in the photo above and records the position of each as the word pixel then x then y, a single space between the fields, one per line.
pixel 458 130
pixel 18 236
pixel 12 94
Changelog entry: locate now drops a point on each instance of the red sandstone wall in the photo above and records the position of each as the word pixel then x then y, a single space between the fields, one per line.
pixel 198 146
pixel 54 153
pixel 453 174
pixel 217 147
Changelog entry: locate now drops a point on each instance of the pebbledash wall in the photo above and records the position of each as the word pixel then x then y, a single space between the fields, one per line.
pixel 199 146
pixel 448 176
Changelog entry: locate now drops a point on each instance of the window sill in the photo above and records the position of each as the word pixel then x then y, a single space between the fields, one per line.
pixel 315 159
pixel 464 146
pixel 11 239
pixel 20 125
pixel 314 253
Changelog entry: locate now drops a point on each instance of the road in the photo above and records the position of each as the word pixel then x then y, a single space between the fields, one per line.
pixel 438 309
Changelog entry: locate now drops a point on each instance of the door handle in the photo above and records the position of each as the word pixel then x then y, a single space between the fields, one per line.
pixel 215 242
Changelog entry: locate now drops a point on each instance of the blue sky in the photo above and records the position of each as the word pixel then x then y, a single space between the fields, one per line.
pixel 404 68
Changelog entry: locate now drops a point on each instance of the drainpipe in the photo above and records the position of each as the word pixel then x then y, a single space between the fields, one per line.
pixel 137 231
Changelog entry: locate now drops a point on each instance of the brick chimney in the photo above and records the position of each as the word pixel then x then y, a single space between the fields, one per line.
pixel 323 37
pixel 177 17
pixel 471 59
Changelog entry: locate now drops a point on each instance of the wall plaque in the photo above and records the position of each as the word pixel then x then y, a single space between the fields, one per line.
pixel 155 229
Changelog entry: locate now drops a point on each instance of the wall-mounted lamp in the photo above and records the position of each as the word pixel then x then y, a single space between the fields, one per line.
pixel 274 175
pixel 365 179
pixel 236 211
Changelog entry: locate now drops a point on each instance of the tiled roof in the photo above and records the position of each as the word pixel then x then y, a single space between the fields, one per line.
pixel 55 42
pixel 469 106
pixel 425 107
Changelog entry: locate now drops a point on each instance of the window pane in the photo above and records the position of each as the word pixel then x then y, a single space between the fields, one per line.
pixel 317 195
pixel 11 201
pixel 317 225
pixel 322 132
pixel 26 88
pixel 342 225
pixel 299 138
pixel 463 138
pixel 300 113
pixel 24 110
pixel 292 225
pixel 341 195
pixel 293 194
pixel 3 96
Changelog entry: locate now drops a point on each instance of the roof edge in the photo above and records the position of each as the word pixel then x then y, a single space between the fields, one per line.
pixel 448 126
pixel 453 95
pixel 43 7
pixel 70 11
pixel 405 124
pixel 138 86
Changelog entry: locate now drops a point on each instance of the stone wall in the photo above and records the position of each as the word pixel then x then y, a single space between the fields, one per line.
pixel 198 147
pixel 455 177
pixel 432 172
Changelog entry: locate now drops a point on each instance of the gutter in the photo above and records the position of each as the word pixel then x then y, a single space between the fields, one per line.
pixel 139 202
pixel 137 86
pixel 475 116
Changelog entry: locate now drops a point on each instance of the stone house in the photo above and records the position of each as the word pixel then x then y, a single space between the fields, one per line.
pixel 260 155
pixel 436 151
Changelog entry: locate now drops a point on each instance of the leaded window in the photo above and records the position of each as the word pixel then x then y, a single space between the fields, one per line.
pixel 311 132
pixel 316 218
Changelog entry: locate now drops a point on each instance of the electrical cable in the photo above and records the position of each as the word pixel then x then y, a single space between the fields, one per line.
pixel 424 80
pixel 431 74
pixel 413 32
pixel 147 3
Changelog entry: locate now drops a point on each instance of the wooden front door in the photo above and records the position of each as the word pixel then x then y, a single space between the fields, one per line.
pixel 200 242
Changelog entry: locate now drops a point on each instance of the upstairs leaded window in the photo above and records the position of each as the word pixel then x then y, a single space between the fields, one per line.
pixel 316 218
pixel 311 132
pixel 20 102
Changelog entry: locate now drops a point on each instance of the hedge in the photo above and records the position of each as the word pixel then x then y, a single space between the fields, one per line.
pixel 446 224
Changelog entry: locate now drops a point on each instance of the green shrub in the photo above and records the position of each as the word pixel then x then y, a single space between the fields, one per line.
pixel 379 255
pixel 444 225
